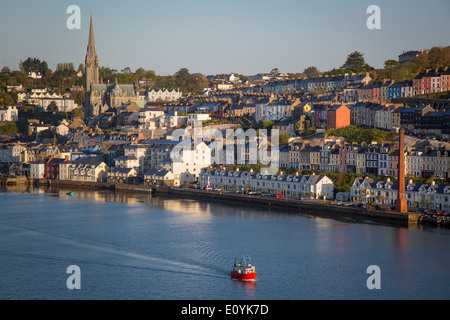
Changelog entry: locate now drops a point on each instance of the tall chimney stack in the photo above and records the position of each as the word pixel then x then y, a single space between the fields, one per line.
pixel 400 204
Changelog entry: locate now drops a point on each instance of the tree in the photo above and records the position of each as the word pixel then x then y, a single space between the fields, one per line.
pixel 78 113
pixel 312 72
pixel 268 125
pixel 274 72
pixel 9 128
pixel 284 138
pixel 182 74
pixel 7 100
pixel 126 70
pixel 52 107
pixel 65 67
pixel 33 65
pixel 391 63
pixel 356 63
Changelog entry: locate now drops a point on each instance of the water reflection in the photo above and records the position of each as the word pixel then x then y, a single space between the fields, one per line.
pixel 195 209
pixel 188 245
pixel 249 287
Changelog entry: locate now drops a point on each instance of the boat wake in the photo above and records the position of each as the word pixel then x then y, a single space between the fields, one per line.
pixel 75 252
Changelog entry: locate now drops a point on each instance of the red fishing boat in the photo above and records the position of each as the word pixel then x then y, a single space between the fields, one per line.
pixel 243 270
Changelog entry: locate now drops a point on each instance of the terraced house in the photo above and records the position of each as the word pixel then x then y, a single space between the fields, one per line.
pixel 418 195
pixel 86 169
pixel 306 187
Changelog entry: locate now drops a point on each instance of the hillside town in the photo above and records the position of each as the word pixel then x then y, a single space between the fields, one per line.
pixel 123 133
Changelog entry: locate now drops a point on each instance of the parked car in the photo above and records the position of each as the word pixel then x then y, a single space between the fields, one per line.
pixel 443 213
pixel 279 196
pixel 208 188
pixel 265 194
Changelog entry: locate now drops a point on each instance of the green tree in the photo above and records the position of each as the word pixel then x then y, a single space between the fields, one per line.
pixel 391 63
pixel 284 138
pixel 312 72
pixel 274 72
pixel 356 63
pixel 8 127
pixel 78 113
pixel 33 65
pixel 52 107
pixel 268 125
pixel 182 75
pixel 6 100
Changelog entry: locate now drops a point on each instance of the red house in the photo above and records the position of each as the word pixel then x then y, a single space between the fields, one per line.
pixel 52 167
pixel 377 92
pixel 338 117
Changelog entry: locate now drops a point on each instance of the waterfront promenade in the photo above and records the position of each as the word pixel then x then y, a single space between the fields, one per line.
pixel 313 207
pixel 328 208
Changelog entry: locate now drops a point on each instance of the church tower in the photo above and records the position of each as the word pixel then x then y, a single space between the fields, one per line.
pixel 91 68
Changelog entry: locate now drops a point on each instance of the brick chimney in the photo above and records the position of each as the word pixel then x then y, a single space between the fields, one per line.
pixel 401 204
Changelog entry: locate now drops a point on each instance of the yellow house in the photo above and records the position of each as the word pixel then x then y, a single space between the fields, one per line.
pixel 306 108
pixel 36 97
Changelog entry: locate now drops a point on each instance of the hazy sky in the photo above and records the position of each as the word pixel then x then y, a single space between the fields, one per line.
pixel 210 36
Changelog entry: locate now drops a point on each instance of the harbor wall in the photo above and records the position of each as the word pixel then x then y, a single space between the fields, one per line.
pixel 313 207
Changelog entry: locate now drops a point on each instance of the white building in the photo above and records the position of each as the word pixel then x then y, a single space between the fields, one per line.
pixel 193 119
pixel 187 164
pixel 418 195
pixel 383 117
pixel 14 87
pixel 407 90
pixel 149 118
pixel 138 152
pixel 63 104
pixel 414 163
pixel 121 174
pixel 37 169
pixel 34 75
pixel 89 169
pixel 273 109
pixel 9 114
pixel 129 162
pixel 164 95
pixel 305 187
pixel 183 159
pixel 62 129
pixel 351 92
pixel 173 119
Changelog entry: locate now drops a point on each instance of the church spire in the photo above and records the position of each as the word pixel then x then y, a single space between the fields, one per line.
pixel 91 43
pixel 92 69
pixel 91 62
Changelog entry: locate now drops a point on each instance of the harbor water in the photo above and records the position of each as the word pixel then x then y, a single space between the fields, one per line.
pixel 134 246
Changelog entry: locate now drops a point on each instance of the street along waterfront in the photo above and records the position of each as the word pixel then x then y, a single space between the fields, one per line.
pixel 134 246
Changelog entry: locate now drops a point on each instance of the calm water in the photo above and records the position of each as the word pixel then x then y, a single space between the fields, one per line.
pixel 137 247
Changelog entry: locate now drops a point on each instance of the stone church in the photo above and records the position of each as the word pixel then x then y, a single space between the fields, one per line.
pixel 99 96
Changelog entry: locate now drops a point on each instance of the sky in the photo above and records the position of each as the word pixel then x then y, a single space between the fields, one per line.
pixel 214 37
